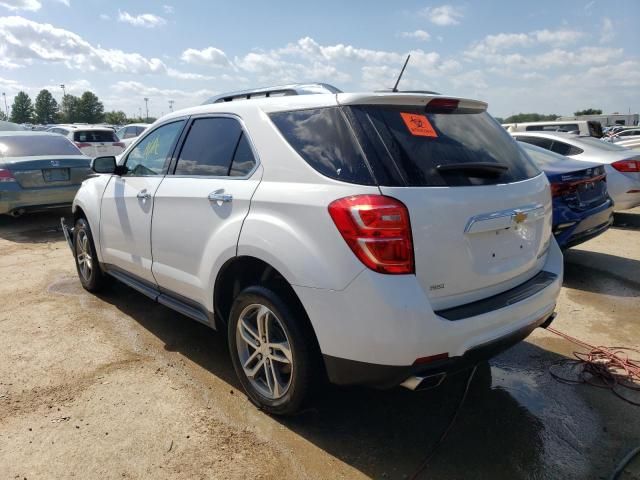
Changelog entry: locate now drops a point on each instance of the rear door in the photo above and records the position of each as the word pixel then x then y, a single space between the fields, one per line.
pixel 127 203
pixel 200 208
pixel 479 208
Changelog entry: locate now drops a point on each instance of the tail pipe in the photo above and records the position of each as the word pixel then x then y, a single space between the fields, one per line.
pixel 416 383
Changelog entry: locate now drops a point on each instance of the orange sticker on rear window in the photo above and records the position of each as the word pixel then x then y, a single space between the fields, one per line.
pixel 418 125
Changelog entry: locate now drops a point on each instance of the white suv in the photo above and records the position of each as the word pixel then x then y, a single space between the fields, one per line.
pixel 379 239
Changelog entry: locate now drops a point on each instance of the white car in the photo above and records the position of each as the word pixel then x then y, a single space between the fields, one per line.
pixel 621 164
pixel 378 239
pixel 626 134
pixel 92 141
pixel 129 133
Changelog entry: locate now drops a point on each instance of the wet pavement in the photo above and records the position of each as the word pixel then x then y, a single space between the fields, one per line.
pixel 517 422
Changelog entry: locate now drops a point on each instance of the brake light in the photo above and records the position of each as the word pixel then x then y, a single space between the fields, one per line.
pixel 560 189
pixel 377 230
pixel 118 144
pixel 630 165
pixel 82 145
pixel 442 105
pixel 6 176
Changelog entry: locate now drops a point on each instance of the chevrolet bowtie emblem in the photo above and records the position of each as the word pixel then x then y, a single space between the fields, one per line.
pixel 519 217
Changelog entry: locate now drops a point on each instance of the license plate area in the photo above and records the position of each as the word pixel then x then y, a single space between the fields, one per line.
pixel 56 174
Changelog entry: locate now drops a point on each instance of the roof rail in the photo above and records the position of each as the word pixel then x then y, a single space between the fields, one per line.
pixel 275 91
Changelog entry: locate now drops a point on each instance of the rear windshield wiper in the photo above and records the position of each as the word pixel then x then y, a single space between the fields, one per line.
pixel 475 169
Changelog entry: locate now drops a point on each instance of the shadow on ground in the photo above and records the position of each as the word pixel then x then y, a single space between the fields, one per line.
pixel 39 227
pixel 626 220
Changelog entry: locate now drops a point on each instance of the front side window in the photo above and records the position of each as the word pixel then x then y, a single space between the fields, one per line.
pixel 150 156
pixel 215 147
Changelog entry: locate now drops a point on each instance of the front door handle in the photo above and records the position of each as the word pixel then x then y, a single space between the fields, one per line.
pixel 220 196
pixel 143 195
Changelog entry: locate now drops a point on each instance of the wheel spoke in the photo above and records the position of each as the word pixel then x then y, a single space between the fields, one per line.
pixel 262 318
pixel 275 379
pixel 248 334
pixel 251 358
pixel 268 378
pixel 252 372
pixel 281 352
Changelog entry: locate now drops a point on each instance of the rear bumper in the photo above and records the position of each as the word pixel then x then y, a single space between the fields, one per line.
pixel 36 199
pixel 348 372
pixel 372 332
pixel 588 225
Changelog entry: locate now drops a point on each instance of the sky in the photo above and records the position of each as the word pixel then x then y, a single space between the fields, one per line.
pixel 542 56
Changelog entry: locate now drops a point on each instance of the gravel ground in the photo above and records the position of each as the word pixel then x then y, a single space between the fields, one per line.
pixel 115 386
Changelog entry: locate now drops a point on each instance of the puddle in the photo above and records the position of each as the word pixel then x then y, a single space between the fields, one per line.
pixel 68 286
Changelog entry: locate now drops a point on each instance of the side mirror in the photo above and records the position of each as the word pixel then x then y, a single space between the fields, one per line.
pixel 104 164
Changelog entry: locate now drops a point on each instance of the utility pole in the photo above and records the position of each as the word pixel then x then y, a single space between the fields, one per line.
pixel 140 113
pixel 171 102
pixel 64 94
pixel 146 105
pixel 6 110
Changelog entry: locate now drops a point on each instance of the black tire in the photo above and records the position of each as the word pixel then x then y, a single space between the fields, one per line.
pixel 300 337
pixel 95 280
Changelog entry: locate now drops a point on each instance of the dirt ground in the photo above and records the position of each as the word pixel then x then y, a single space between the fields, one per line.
pixel 117 386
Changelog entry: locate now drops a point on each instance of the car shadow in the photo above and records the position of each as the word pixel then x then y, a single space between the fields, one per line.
pixel 601 273
pixel 626 220
pixel 386 434
pixel 39 227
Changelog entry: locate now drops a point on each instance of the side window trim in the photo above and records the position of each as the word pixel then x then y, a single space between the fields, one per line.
pixel 185 133
pixel 172 150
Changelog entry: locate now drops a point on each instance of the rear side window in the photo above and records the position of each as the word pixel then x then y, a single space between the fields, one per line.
pixel 324 140
pixel 417 148
pixel 90 136
pixel 215 147
pixel 36 145
pixel 565 149
pixel 537 141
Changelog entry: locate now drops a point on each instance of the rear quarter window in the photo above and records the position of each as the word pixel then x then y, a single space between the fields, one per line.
pixel 325 141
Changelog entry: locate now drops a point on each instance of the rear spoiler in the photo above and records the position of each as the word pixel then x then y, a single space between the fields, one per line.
pixel 389 98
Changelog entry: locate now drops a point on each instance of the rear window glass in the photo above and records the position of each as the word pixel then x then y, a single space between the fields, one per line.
pixel 324 140
pixel 416 148
pixel 565 149
pixel 90 136
pixel 36 145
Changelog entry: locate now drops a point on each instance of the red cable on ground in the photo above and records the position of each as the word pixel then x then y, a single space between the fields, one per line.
pixel 604 367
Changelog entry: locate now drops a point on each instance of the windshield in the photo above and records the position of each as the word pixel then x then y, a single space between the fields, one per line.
pixel 36 145
pixel 417 148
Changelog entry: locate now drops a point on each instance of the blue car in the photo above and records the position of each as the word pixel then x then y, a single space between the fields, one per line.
pixel 582 208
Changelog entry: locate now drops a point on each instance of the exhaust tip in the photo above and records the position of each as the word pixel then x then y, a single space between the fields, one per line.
pixel 424 383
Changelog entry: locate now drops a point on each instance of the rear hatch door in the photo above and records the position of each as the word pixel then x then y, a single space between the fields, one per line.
pixel 480 209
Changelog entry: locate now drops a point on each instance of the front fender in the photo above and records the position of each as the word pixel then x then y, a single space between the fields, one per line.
pixel 89 199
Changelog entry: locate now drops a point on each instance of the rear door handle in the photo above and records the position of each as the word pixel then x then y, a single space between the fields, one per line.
pixel 143 195
pixel 220 196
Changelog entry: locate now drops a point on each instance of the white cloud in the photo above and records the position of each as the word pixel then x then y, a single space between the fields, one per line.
pixel 607 33
pixel 417 35
pixel 207 56
pixel 104 16
pixel 64 2
pixel 188 76
pixel 145 20
pixel 25 40
pixel 168 9
pixel 14 5
pixel 444 15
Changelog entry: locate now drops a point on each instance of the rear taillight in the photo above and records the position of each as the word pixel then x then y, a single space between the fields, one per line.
pixel 6 176
pixel 378 231
pixel 117 144
pixel 82 145
pixel 560 189
pixel 627 165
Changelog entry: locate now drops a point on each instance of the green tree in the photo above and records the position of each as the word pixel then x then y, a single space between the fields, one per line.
pixel 70 109
pixel 46 107
pixel 530 117
pixel 588 111
pixel 116 118
pixel 3 116
pixel 90 108
pixel 499 119
pixel 22 108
